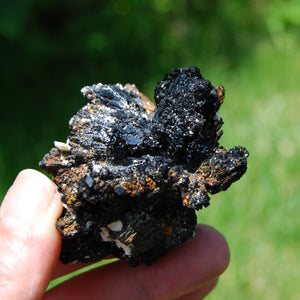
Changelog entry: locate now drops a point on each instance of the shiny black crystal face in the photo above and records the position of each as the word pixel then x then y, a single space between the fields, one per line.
pixel 132 173
pixel 187 124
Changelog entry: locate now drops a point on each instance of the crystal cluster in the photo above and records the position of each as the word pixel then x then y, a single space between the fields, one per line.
pixel 132 173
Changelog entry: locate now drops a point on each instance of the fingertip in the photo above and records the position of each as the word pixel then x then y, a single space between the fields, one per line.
pixel 30 173
pixel 30 243
pixel 219 248
pixel 38 177
pixel 30 199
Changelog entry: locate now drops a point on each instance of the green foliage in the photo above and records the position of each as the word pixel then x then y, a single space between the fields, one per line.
pixel 51 49
pixel 259 215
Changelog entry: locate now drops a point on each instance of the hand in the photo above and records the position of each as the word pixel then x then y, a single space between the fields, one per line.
pixel 30 246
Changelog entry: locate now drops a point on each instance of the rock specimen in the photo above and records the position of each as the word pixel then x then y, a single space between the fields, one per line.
pixel 132 173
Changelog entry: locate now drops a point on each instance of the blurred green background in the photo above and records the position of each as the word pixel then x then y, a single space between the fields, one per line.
pixel 50 49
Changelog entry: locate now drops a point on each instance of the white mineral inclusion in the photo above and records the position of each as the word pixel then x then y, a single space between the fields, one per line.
pixel 105 235
pixel 126 249
pixel 115 226
pixel 62 146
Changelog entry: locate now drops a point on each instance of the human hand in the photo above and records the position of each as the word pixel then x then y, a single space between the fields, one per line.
pixel 30 247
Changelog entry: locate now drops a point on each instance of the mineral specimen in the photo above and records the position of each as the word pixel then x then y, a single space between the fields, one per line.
pixel 132 173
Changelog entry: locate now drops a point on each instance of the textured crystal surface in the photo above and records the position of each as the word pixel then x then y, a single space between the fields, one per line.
pixel 132 173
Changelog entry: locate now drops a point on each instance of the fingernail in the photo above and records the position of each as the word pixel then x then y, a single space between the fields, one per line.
pixel 28 200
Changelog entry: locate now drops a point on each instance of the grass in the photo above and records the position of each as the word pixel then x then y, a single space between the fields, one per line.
pixel 64 278
pixel 259 215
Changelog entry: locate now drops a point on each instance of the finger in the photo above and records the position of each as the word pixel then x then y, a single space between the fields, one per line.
pixel 30 243
pixel 185 268
pixel 200 293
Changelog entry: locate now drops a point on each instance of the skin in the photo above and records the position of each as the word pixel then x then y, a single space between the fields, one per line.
pixel 30 246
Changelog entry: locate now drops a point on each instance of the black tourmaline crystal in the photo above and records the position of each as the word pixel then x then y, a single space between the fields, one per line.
pixel 132 173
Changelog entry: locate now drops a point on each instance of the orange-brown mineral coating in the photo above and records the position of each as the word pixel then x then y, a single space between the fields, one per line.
pixel 141 99
pixel 132 173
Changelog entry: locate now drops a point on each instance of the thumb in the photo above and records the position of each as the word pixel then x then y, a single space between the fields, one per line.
pixel 29 241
